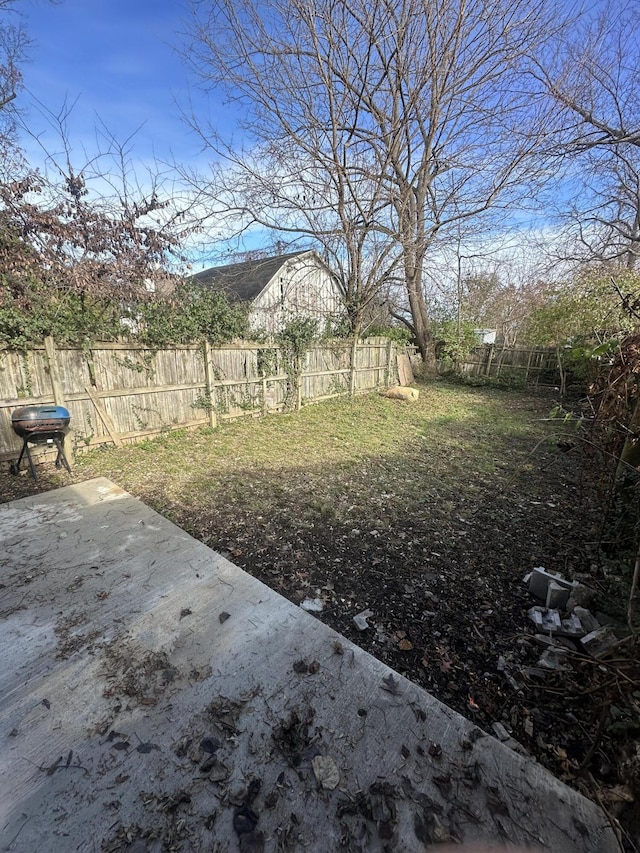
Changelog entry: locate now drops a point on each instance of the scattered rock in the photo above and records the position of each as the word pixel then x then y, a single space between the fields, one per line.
pixel 581 596
pixel 547 620
pixel 555 659
pixel 313 605
pixel 557 596
pixel 598 642
pixel 587 619
pixel 401 393
pixel 539 581
pixel 500 732
pixel 360 620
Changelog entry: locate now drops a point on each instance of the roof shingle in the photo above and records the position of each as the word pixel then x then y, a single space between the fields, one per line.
pixel 245 281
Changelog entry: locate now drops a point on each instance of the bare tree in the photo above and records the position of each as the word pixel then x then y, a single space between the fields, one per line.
pixel 592 71
pixel 301 171
pixel 14 48
pixel 594 77
pixel 375 127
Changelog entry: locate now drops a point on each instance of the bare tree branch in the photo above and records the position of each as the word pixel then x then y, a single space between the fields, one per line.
pixel 594 77
pixel 374 127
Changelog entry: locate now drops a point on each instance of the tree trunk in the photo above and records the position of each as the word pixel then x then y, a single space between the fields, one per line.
pixel 562 372
pixel 422 325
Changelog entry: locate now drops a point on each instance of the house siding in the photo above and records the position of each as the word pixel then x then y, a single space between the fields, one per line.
pixel 301 288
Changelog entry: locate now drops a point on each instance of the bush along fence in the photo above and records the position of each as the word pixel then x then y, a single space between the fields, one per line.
pixel 120 393
pixel 516 365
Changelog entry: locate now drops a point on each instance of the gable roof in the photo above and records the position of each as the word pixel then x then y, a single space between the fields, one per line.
pixel 245 281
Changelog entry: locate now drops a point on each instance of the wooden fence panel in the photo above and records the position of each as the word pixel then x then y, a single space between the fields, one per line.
pixel 371 363
pixel 121 393
pixel 327 370
pixel 528 365
pixel 25 376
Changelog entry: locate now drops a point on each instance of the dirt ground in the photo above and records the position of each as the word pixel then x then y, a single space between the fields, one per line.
pixel 443 585
pixel 432 542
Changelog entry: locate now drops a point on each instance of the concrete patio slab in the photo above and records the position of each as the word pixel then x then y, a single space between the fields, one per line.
pixel 153 696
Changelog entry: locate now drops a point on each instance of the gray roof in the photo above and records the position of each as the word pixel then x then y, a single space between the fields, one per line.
pixel 245 281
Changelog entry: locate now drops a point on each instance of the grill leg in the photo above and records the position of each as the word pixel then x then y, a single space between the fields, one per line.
pixel 56 439
pixel 61 459
pixel 32 467
pixel 24 447
pixel 15 466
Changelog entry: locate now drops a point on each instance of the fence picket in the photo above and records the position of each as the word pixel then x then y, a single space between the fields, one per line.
pixel 143 393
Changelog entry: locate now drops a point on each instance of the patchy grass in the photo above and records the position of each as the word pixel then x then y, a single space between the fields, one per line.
pixel 427 513
pixel 337 446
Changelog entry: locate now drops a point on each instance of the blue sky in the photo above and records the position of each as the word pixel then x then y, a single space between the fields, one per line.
pixel 117 60
pixel 117 63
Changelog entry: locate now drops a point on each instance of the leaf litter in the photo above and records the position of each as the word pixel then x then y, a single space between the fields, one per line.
pixel 430 538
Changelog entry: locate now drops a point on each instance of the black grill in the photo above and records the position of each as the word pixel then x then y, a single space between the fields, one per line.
pixel 44 425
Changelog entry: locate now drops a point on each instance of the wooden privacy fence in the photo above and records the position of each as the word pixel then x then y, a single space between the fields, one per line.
pixel 119 393
pixel 526 365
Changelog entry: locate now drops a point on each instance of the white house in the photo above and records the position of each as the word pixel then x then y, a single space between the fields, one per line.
pixel 279 288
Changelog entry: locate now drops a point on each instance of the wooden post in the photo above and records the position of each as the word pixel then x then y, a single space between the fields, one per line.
pixel 299 392
pixel 526 373
pixel 104 416
pixel 387 375
pixel 354 357
pixel 209 379
pixel 487 371
pixel 265 407
pixel 54 373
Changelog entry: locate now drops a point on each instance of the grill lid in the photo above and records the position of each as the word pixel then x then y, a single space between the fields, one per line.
pixel 27 420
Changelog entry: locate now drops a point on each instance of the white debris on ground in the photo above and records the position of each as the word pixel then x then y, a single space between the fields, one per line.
pixel 563 625
pixel 578 625
pixel 360 619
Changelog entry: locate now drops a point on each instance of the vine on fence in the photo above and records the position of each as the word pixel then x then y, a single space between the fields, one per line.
pixel 26 388
pixel 294 341
pixel 143 366
pixel 267 361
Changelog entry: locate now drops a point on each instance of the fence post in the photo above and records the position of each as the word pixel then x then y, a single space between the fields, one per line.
pixel 487 371
pixel 526 373
pixel 54 373
pixel 387 375
pixel 209 378
pixel 299 373
pixel 354 357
